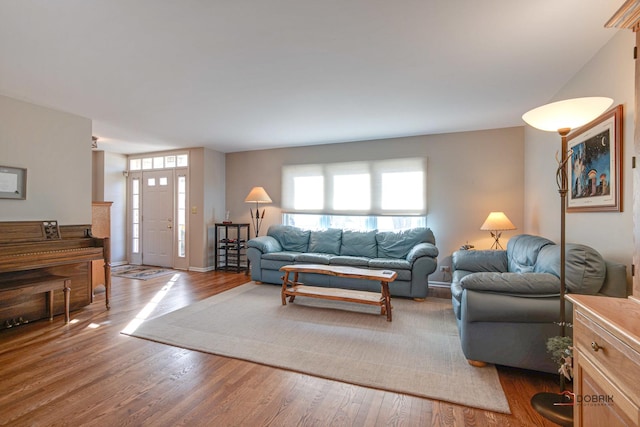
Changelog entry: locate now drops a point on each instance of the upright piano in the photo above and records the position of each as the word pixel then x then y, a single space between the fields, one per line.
pixel 31 249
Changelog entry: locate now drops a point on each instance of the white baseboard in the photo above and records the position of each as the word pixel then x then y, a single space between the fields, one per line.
pixel 117 263
pixel 201 269
pixel 437 284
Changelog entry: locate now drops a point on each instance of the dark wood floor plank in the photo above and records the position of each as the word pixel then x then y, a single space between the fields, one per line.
pixel 88 373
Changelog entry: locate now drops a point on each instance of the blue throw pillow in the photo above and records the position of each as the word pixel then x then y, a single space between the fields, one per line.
pixel 359 243
pixel 325 241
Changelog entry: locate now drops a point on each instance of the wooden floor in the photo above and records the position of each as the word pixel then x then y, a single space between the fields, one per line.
pixel 88 373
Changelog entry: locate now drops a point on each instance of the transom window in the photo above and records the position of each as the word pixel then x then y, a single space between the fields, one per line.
pixel 159 162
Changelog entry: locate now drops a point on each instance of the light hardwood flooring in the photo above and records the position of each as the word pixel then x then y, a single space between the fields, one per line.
pixel 88 373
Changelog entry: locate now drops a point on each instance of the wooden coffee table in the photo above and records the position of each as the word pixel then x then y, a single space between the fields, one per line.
pixel 382 298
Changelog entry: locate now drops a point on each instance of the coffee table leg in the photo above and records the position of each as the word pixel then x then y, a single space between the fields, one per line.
pixel 285 279
pixel 387 299
pixel 295 282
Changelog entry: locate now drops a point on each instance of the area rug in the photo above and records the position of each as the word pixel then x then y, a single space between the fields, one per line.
pixel 418 353
pixel 140 272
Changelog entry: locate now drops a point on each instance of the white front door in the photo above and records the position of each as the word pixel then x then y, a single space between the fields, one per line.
pixel 157 218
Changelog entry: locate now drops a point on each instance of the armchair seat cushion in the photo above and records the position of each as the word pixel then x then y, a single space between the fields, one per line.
pixel 513 283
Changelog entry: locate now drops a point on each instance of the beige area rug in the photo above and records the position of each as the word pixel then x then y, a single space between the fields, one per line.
pixel 418 353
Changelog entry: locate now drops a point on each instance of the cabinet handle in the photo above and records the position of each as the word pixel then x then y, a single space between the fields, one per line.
pixel 595 346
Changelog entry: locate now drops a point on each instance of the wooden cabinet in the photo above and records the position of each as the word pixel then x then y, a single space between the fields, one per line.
pixel 606 333
pixel 100 227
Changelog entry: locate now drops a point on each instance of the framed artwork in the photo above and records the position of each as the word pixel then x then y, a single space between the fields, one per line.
pixel 594 166
pixel 13 183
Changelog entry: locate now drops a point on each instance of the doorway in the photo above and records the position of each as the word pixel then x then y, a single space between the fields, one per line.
pixel 157 220
pixel 157 214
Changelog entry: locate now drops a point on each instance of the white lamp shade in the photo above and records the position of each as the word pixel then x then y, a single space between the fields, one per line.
pixel 567 114
pixel 497 221
pixel 258 195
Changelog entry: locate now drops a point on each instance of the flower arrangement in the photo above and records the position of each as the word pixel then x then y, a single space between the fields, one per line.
pixel 561 349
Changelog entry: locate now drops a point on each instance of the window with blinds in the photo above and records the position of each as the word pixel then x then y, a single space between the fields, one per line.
pixel 387 194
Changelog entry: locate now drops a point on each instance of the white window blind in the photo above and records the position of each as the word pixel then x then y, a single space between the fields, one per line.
pixel 395 187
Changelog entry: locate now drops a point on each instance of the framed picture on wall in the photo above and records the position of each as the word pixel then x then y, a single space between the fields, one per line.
pixel 594 166
pixel 13 183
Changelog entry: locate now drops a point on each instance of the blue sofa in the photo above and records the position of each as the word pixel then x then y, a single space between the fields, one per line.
pixel 411 253
pixel 507 302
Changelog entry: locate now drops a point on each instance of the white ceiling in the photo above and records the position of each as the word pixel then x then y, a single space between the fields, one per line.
pixel 240 75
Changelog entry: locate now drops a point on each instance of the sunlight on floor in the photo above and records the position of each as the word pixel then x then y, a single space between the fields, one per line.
pixel 151 305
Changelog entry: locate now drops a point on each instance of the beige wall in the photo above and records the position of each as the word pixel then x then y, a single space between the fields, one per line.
pixel 110 185
pixel 469 174
pixel 55 148
pixel 610 73
pixel 206 201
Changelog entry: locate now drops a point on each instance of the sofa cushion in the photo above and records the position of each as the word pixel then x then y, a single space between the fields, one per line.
pixel 353 261
pixel 522 252
pixel 390 264
pixel 400 266
pixel 397 244
pixel 274 264
pixel 281 256
pixel 359 243
pixel 326 241
pixel 585 268
pixel 313 258
pixel 291 238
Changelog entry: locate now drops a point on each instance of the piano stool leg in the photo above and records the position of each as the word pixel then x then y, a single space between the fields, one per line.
pixel 50 303
pixel 67 297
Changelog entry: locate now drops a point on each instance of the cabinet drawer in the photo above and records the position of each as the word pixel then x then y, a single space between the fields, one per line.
pixel 600 402
pixel 618 362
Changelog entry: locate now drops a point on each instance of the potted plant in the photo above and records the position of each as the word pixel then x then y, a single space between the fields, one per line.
pixel 561 349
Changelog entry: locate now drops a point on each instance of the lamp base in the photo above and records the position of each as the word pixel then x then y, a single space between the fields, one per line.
pixel 555 407
pixel 496 240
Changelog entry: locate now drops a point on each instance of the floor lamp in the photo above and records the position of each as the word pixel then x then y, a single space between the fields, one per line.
pixel 562 117
pixel 257 195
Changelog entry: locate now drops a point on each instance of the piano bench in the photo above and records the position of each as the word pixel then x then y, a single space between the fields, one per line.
pixel 14 288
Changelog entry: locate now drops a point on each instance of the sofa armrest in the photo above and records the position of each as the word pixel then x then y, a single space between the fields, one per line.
pixel 421 250
pixel 478 261
pixel 520 284
pixel 615 281
pixel 265 244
